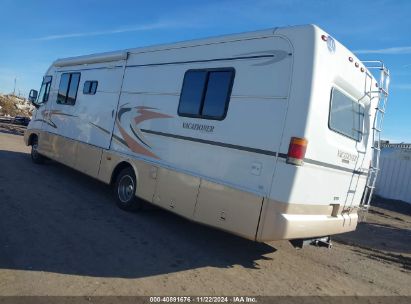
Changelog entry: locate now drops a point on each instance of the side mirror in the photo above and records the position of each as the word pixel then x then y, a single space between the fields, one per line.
pixel 33 97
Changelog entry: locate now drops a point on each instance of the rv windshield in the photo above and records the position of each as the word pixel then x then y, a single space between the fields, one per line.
pixel 44 90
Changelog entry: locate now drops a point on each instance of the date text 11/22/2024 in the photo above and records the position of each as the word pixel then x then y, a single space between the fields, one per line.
pixel 203 299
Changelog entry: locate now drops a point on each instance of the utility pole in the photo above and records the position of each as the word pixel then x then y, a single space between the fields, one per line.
pixel 14 90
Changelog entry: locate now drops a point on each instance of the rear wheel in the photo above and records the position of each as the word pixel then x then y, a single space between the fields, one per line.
pixel 36 157
pixel 125 190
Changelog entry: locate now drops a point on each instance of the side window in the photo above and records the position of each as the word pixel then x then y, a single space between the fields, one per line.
pixel 217 94
pixel 63 88
pixel 44 90
pixel 68 88
pixel 206 93
pixel 346 115
pixel 90 87
pixel 192 93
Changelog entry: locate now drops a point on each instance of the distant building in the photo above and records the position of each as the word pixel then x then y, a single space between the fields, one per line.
pixel 387 144
pixel 394 179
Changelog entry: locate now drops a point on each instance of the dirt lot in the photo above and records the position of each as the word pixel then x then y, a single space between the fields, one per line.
pixel 61 234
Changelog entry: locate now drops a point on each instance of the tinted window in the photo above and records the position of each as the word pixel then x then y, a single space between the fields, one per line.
pixel 206 93
pixel 68 88
pixel 90 87
pixel 63 88
pixel 93 88
pixel 44 90
pixel 346 115
pixel 72 92
pixel 86 87
pixel 47 91
pixel 218 90
pixel 192 92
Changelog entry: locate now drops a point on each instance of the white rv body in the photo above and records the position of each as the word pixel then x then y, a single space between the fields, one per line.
pixel 230 173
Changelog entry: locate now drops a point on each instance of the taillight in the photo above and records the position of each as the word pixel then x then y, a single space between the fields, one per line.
pixel 296 151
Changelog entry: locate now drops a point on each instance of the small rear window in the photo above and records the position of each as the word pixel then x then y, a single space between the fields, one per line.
pixel 346 115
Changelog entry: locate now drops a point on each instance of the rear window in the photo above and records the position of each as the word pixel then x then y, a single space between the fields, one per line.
pixel 346 115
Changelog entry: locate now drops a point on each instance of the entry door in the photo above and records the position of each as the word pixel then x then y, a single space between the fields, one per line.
pixel 63 119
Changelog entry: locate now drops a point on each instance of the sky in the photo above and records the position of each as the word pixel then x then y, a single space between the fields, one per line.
pixel 35 33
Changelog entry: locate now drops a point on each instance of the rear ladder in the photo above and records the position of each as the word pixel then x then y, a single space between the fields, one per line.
pixel 381 92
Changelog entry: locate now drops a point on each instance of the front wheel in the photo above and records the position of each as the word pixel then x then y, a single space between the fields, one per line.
pixel 36 157
pixel 125 190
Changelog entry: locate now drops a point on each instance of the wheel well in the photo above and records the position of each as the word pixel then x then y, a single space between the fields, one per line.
pixel 118 169
pixel 31 138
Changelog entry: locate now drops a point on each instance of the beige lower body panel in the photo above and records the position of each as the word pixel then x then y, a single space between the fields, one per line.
pixel 239 212
pixel 242 213
pixel 66 150
pixel 75 154
pixel 294 221
pixel 177 192
pixel 228 209
pixel 88 159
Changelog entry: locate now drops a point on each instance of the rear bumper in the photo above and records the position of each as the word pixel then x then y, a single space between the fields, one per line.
pixel 281 221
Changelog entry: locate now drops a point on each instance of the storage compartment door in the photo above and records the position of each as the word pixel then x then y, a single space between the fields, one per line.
pixel 176 192
pixel 228 209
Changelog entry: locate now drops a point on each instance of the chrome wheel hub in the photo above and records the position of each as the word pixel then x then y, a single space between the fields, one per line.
pixel 126 188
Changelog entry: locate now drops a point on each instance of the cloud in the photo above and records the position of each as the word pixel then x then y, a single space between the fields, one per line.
pixel 389 51
pixel 144 27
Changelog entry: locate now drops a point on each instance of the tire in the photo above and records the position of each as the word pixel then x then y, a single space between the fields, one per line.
pixel 36 157
pixel 125 190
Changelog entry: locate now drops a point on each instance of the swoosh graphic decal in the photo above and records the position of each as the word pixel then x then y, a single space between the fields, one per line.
pixel 136 135
pixel 145 113
pixel 276 56
pixel 132 144
pixel 100 128
pixel 120 140
pixel 47 114
pixel 122 111
pixel 50 123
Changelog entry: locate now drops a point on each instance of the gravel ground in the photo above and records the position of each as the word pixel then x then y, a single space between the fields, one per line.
pixel 61 234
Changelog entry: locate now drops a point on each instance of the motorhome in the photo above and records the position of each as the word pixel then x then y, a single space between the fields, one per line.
pixel 268 135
